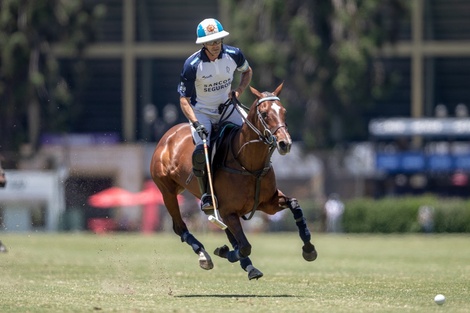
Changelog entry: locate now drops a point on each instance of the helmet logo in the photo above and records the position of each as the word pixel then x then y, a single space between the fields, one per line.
pixel 208 30
pixel 211 28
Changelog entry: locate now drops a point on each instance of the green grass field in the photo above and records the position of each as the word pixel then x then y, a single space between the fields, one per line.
pixel 158 273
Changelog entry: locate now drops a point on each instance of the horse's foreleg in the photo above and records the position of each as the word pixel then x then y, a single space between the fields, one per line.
pixel 245 263
pixel 308 250
pixel 244 247
pixel 241 247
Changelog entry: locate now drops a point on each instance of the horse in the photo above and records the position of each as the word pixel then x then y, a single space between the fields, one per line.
pixel 244 179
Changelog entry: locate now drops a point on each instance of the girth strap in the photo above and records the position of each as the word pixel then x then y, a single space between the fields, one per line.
pixel 259 174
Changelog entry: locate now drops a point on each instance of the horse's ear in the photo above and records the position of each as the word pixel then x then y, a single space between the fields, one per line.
pixel 277 92
pixel 256 92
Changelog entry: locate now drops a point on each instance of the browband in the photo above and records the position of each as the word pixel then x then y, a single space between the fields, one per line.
pixel 272 98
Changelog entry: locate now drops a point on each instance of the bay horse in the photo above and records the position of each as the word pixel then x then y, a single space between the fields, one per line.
pixel 244 181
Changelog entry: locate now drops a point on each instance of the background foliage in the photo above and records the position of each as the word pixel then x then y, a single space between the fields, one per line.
pixel 325 51
pixel 30 81
pixel 400 215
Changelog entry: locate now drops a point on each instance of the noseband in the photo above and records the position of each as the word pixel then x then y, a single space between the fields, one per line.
pixel 267 135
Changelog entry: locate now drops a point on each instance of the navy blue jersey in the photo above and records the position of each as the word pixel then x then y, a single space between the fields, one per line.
pixel 207 83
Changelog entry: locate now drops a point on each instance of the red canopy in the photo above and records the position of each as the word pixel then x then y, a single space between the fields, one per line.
pixel 149 198
pixel 115 196
pixel 112 197
pixel 150 195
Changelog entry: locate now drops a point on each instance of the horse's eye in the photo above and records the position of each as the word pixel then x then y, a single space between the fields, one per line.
pixel 264 114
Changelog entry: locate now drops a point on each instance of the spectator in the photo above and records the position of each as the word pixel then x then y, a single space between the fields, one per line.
pixel 426 218
pixel 334 209
pixel 3 249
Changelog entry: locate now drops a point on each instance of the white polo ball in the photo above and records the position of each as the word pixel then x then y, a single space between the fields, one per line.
pixel 440 299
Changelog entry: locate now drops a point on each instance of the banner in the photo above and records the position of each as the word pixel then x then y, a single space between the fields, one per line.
pixel 430 127
pixel 411 162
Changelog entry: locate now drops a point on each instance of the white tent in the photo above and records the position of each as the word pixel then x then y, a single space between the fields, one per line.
pixel 26 190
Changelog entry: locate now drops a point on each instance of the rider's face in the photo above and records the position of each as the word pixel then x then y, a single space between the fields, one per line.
pixel 214 47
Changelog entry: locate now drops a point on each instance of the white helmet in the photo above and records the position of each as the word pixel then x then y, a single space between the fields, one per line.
pixel 210 29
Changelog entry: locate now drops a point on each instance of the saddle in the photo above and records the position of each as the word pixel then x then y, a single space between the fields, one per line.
pixel 218 148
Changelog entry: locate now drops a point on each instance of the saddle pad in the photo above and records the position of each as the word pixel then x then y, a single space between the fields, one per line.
pixel 224 130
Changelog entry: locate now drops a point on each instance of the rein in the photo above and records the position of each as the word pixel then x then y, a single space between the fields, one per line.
pixel 265 137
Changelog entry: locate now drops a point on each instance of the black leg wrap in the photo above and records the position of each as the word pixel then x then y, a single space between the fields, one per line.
pixel 308 250
pixel 293 203
pixel 296 210
pixel 245 262
pixel 192 241
pixel 234 256
pixel 222 251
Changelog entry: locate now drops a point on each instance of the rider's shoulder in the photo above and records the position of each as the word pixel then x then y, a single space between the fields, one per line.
pixel 231 50
pixel 193 59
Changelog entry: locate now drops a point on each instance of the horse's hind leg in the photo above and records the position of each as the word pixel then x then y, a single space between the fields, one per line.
pixel 308 250
pixel 245 263
pixel 180 228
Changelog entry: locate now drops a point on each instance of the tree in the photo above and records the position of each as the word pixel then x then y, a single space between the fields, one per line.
pixel 324 50
pixel 31 89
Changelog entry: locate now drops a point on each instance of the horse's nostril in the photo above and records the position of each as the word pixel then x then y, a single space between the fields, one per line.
pixel 284 146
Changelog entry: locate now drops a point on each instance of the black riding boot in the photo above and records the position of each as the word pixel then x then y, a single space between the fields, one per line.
pixel 199 169
pixel 206 198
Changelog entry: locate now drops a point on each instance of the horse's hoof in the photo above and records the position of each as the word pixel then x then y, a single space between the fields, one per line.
pixel 309 253
pixel 254 273
pixel 205 261
pixel 222 251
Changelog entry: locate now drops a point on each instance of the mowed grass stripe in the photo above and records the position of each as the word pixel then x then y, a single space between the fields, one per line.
pixel 136 273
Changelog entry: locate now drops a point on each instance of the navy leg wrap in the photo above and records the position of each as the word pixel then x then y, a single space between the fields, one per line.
pixel 296 210
pixel 234 256
pixel 245 262
pixel 192 241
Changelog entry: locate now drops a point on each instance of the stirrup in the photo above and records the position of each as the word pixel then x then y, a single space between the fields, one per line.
pixel 207 204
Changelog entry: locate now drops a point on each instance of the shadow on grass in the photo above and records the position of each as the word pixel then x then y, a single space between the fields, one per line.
pixel 235 296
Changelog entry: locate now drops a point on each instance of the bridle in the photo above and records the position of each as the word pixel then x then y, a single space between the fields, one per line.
pixel 265 136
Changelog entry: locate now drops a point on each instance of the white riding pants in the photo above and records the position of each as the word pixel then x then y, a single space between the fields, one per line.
pixel 207 117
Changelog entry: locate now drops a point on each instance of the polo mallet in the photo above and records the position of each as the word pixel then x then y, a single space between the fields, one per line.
pixel 215 219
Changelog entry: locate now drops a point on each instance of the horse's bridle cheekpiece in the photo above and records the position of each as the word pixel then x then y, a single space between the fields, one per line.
pixel 269 137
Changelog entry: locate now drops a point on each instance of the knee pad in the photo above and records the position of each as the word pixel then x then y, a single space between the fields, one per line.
pixel 199 159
